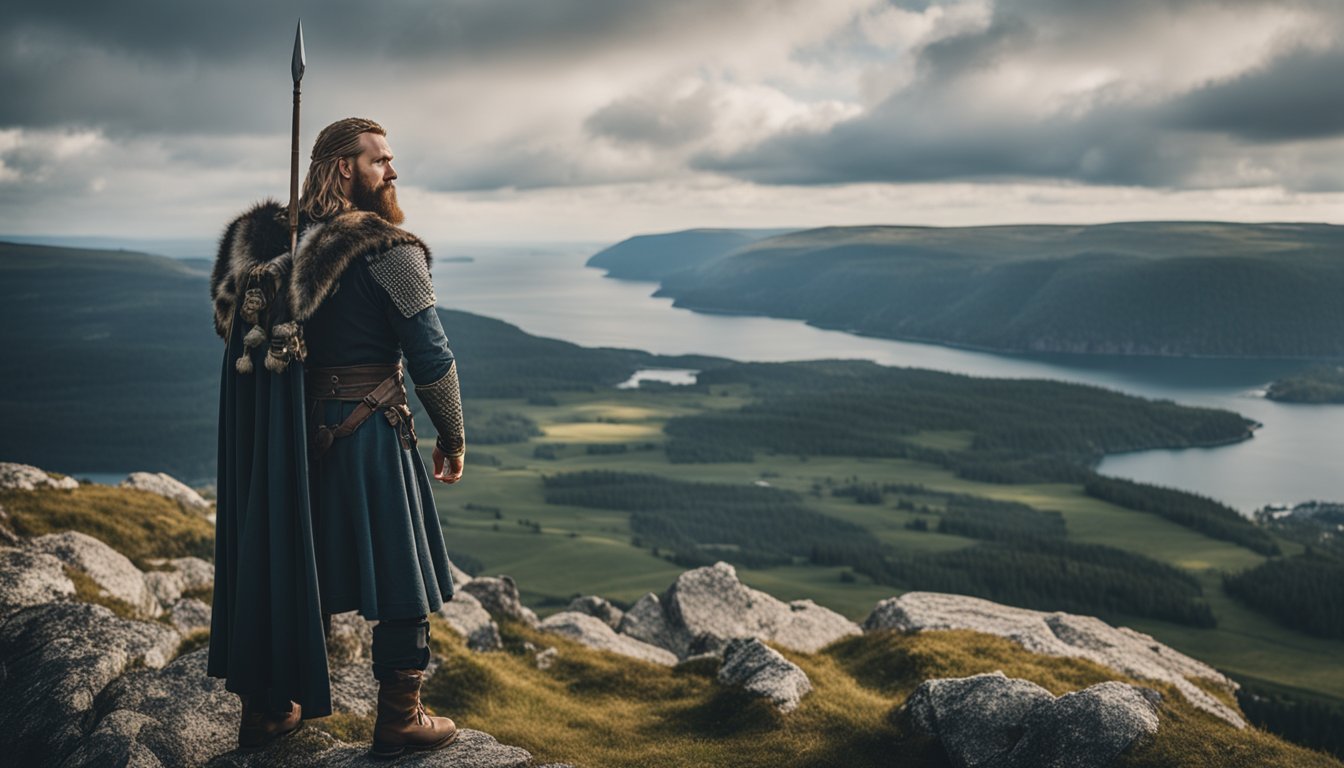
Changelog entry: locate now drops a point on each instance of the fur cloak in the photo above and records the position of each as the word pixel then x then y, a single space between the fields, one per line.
pixel 266 636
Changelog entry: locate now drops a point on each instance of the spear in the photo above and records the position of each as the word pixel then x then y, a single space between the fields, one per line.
pixel 296 67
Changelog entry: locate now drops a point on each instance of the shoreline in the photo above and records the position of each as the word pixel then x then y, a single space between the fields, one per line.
pixel 968 347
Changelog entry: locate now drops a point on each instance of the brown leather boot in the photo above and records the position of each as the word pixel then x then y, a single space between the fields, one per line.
pixel 259 728
pixel 402 721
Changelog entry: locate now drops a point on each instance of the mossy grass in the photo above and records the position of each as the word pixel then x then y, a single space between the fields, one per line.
pixel 205 594
pixel 194 640
pixel 592 551
pixel 595 708
pixel 347 726
pixel 895 663
pixel 138 524
pixel 1191 738
pixel 88 591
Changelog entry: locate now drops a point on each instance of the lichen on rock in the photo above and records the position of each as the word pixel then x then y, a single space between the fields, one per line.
pixel 595 633
pixel 169 487
pixel 760 670
pixel 1059 634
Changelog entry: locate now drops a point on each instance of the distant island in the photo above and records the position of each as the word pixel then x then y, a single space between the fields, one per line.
pixel 1323 384
pixel 1144 288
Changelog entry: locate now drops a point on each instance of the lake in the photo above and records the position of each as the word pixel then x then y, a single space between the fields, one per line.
pixel 1296 456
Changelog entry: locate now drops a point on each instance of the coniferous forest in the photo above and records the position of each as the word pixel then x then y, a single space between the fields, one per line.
pixel 1025 559
pixel 1191 510
pixel 1024 431
pixel 1305 592
pixel 1137 288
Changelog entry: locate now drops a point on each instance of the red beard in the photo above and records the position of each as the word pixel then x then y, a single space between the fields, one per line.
pixel 381 200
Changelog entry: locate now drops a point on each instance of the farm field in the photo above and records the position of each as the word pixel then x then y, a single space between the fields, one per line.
pixel 498 516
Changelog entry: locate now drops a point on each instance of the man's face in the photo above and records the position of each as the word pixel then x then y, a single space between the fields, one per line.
pixel 372 177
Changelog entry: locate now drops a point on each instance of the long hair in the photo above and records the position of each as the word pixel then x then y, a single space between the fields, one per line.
pixel 322 196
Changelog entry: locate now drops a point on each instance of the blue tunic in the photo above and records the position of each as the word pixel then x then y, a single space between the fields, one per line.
pixel 380 547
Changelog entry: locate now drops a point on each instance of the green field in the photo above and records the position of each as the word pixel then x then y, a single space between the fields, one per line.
pixel 580 550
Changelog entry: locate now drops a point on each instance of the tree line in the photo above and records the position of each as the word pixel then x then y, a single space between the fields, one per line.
pixel 1024 558
pixel 1193 511
pixel 1305 592
pixel 1310 721
pixel 1023 431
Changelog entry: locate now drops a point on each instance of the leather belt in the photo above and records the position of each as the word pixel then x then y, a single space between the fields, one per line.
pixel 376 387
pixel 349 382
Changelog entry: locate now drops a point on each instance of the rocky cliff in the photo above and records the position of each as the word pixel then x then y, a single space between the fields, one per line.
pixel 102 662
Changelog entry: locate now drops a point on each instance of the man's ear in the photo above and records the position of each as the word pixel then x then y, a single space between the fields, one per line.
pixel 344 167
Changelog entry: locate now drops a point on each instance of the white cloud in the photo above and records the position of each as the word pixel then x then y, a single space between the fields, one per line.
pixel 597 116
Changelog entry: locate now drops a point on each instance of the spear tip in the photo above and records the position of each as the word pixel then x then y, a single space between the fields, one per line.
pixel 299 62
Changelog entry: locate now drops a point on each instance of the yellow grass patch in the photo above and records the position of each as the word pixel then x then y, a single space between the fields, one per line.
pixel 138 524
pixel 597 708
pixel 601 432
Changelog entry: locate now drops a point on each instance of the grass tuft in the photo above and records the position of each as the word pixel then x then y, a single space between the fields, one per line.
pixel 1192 738
pixel 88 591
pixel 138 524
pixel 896 663
pixel 194 640
pixel 347 726
pixel 596 708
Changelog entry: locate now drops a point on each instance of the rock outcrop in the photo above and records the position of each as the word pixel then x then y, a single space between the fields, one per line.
pixel 1059 634
pixel 189 614
pixel 112 571
pixel 170 716
pixel 707 607
pixel 595 633
pixel 30 578
pixel 24 477
pixel 82 686
pixel 993 721
pixel 168 487
pixel 977 719
pixel 311 748
pixel 57 658
pixel 762 671
pixel 499 596
pixel 465 614
pixel 7 535
pixel 599 608
pixel 181 574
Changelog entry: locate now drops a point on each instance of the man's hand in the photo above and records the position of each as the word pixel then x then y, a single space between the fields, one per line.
pixel 452 473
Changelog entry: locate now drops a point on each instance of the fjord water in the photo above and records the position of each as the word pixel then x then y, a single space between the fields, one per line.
pixel 1297 455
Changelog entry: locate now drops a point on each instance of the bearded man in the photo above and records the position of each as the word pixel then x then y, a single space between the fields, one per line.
pixel 324 503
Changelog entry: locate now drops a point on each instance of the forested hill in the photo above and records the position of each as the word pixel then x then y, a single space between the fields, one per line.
pixel 653 257
pixel 1150 288
pixel 111 362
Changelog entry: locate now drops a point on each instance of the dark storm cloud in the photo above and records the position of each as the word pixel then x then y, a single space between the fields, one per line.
pixel 171 65
pixel 954 56
pixel 931 131
pixel 414 29
pixel 652 120
pixel 1295 97
pixel 900 142
pixel 218 72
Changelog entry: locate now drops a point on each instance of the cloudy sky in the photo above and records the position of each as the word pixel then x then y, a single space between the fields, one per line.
pixel 597 119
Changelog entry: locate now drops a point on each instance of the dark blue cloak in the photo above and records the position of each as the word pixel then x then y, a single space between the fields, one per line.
pixel 266 626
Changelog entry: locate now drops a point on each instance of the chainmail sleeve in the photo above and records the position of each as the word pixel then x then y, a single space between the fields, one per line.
pixel 403 272
pixel 443 402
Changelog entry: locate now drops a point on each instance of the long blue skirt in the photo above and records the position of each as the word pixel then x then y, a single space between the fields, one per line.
pixel 380 547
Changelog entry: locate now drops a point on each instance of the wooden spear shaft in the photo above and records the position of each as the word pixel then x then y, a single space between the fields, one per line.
pixel 297 66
